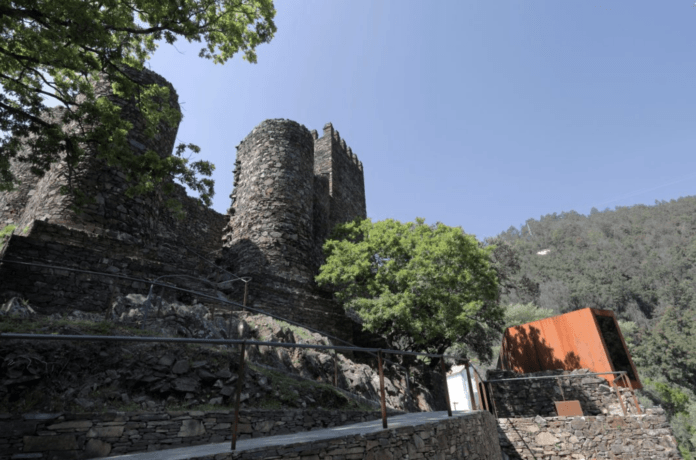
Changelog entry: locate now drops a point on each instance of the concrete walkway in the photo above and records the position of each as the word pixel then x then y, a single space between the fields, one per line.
pixel 184 453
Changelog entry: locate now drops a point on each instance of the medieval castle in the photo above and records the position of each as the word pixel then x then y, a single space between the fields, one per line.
pixel 291 188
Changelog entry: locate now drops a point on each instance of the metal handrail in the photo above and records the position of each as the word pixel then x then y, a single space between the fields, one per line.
pixel 244 343
pixel 201 294
pixel 555 376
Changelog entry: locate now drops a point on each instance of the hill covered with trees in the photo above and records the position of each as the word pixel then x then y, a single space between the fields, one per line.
pixel 640 262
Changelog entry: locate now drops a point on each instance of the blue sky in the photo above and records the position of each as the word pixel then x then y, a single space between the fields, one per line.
pixel 477 114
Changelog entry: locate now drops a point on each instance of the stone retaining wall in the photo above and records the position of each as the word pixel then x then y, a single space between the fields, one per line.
pixel 468 435
pixel 527 398
pixel 584 438
pixel 82 436
pixel 56 290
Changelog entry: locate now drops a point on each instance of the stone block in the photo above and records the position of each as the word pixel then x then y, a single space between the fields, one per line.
pixel 77 425
pixel 191 428
pixel 105 432
pixel 45 443
pixel 97 448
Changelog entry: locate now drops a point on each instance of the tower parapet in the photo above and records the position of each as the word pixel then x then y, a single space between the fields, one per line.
pixel 335 160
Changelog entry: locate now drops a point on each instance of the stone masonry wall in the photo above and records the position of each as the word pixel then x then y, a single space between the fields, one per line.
pixel 527 398
pixel 647 436
pixel 113 210
pixel 53 290
pixel 468 435
pixel 83 436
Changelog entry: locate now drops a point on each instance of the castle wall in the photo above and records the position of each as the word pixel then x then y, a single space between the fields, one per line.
pixel 53 290
pixel 291 189
pixel 113 210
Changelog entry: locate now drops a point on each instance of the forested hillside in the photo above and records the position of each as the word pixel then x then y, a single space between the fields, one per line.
pixel 638 261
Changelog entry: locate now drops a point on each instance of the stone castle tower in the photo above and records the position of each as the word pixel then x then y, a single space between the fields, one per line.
pixel 291 189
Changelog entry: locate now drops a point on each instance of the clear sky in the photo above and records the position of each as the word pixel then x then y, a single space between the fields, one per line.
pixel 479 114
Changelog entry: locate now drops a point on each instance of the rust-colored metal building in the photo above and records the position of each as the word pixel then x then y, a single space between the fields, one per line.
pixel 587 338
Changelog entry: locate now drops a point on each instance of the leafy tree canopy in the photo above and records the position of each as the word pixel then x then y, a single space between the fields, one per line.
pixel 422 287
pixel 60 48
pixel 636 260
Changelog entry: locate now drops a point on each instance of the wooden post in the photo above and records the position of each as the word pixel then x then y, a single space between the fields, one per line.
pixel 495 409
pixel 381 389
pixel 618 395
pixel 635 400
pixel 482 393
pixel 444 378
pixel 560 386
pixel 246 290
pixel 240 377
pixel 471 388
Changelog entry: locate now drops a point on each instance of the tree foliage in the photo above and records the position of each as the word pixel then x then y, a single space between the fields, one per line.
pixel 635 260
pixel 60 48
pixel 422 287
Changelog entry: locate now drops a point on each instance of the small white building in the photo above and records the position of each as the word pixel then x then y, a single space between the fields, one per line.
pixel 458 386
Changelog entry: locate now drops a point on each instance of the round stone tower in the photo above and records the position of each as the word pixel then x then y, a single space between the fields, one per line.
pixel 112 211
pixel 270 228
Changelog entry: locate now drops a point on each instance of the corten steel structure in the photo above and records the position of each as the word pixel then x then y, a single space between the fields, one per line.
pixel 583 339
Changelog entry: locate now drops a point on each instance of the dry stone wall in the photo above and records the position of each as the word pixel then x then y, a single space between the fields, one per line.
pixel 83 436
pixel 646 436
pixel 470 436
pixel 51 290
pixel 528 398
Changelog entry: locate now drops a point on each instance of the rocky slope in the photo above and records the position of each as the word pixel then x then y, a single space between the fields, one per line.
pixel 95 376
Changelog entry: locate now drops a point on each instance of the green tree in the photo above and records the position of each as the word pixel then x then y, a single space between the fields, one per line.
pixel 61 48
pixel 525 313
pixel 424 288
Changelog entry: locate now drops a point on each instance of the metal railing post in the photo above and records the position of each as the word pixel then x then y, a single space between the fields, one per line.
pixel 335 360
pixel 246 291
pixel 381 389
pixel 240 377
pixel 444 379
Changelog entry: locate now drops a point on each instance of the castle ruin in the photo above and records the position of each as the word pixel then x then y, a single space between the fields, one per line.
pixel 291 188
